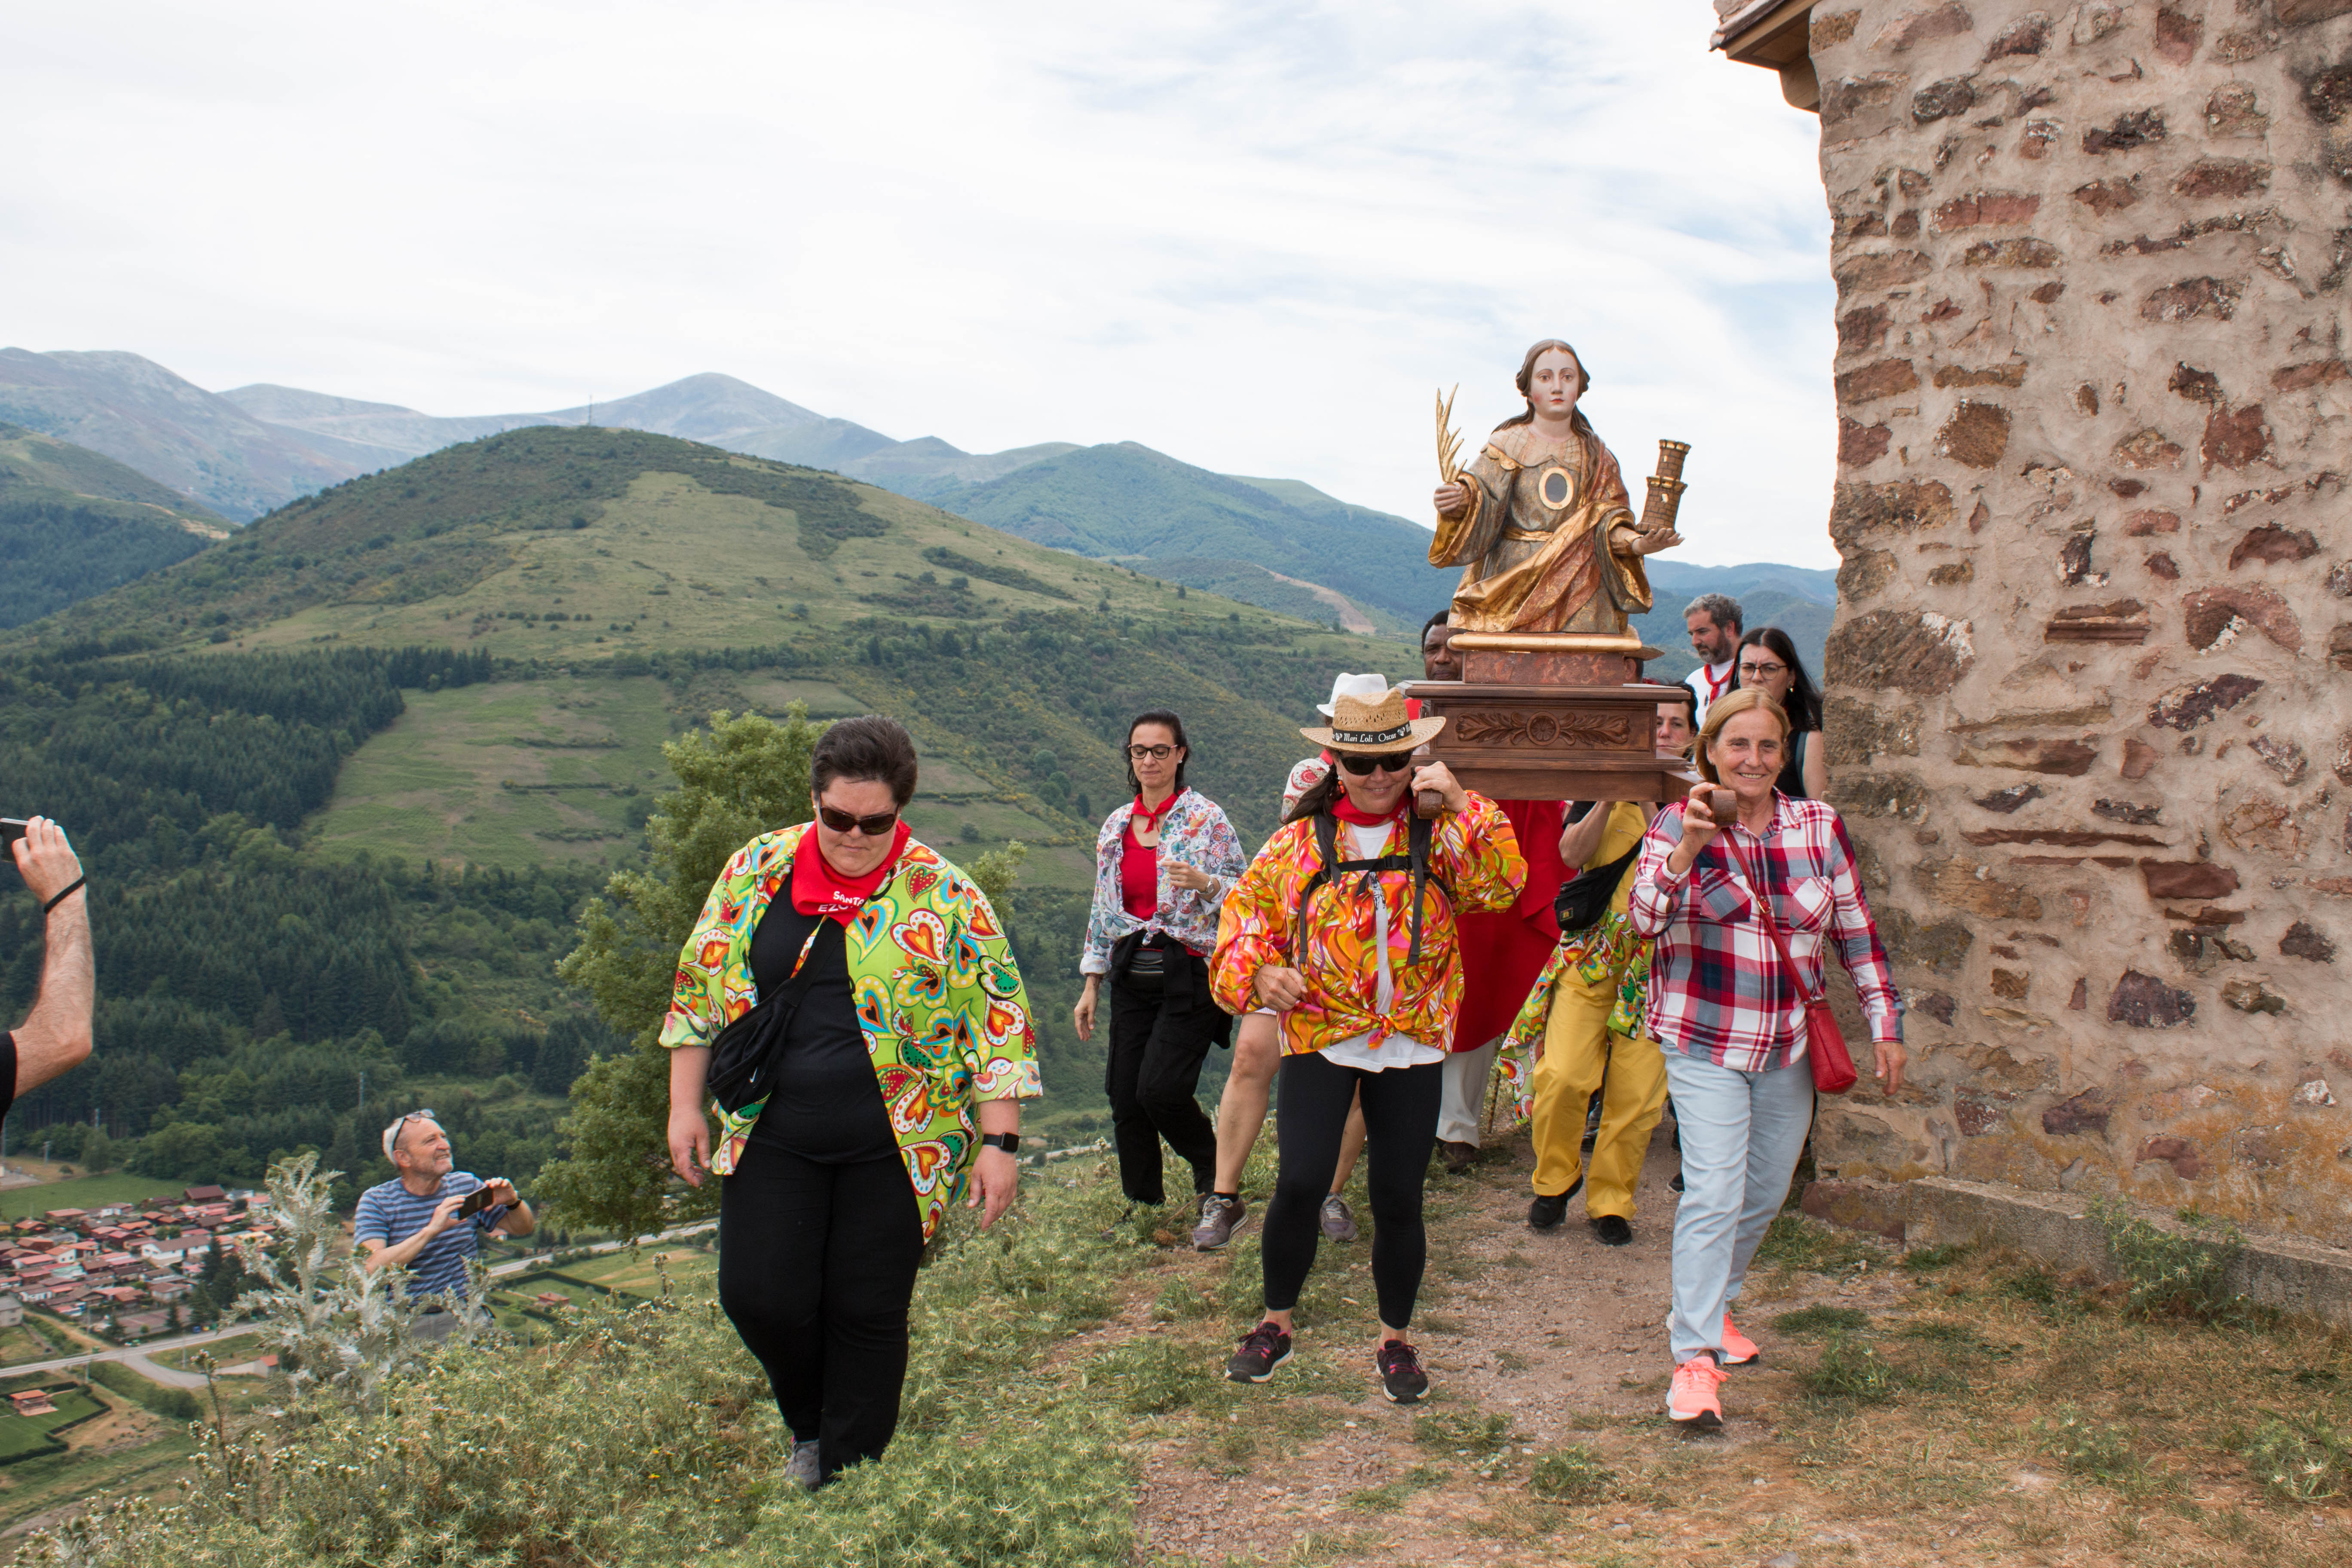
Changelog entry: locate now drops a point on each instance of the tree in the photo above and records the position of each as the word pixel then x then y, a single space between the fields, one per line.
pixel 747 776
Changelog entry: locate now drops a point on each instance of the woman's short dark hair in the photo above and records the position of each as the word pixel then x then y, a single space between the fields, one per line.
pixel 1804 703
pixel 1175 727
pixel 866 747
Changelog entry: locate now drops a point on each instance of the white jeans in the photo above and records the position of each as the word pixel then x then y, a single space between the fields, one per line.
pixel 1742 1134
pixel 1461 1099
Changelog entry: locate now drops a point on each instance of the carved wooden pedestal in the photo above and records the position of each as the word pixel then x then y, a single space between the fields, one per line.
pixel 1552 742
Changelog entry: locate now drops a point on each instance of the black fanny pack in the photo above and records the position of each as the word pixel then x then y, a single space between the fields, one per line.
pixel 1139 963
pixel 1584 897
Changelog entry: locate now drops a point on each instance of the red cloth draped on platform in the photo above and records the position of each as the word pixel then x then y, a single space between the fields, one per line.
pixel 1504 954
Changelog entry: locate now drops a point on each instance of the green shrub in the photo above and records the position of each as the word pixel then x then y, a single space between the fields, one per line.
pixel 1465 1432
pixel 2098 1449
pixel 2306 1463
pixel 1821 1320
pixel 1573 1474
pixel 172 1403
pixel 2171 1275
pixel 1926 1259
pixel 1850 1374
pixel 1151 1374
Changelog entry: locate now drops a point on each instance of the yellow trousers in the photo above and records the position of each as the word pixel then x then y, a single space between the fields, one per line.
pixel 1578 1055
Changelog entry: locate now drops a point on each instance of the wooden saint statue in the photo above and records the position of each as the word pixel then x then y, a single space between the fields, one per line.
pixel 1539 521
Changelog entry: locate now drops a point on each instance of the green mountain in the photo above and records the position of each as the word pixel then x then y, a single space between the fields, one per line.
pixel 1128 502
pixel 74 524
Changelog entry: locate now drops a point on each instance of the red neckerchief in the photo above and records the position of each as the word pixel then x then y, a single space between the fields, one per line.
pixel 819 889
pixel 1146 820
pixel 1346 810
pixel 1715 688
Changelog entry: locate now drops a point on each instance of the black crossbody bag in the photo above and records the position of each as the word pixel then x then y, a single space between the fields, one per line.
pixel 743 1056
pixel 1584 897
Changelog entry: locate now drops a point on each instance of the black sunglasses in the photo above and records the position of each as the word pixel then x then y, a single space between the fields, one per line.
pixel 1387 763
pixel 842 820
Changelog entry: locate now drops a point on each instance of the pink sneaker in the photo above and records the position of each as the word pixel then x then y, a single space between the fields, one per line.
pixel 1739 1350
pixel 1692 1398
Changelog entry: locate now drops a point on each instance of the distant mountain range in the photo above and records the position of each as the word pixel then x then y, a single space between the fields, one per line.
pixel 1279 543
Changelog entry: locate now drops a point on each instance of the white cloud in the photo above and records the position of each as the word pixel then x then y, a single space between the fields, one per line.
pixel 1253 237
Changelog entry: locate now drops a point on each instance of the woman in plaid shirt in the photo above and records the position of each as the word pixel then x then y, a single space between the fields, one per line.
pixel 1731 1017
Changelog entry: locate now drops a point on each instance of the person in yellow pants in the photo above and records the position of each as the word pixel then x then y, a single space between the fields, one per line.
pixel 1581 1032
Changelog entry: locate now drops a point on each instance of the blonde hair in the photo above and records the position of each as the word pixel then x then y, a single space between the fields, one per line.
pixel 1722 711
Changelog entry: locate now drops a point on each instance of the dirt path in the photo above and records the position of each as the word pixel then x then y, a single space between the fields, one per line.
pixel 1350 618
pixel 1548 1359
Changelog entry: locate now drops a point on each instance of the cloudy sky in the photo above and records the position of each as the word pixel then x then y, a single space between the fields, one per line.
pixel 1252 237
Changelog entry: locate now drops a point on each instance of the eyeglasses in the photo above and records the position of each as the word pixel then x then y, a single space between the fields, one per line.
pixel 1388 763
pixel 842 820
pixel 1759 671
pixel 1156 753
pixel 391 1134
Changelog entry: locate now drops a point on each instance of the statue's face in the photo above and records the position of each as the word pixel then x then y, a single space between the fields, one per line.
pixel 1553 384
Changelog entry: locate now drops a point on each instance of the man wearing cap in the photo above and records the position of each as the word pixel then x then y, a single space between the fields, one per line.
pixel 1345 922
pixel 419 1208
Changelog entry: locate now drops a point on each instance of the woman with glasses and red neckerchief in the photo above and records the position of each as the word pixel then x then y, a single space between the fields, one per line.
pixel 900 1054
pixel 1163 863
pixel 1345 922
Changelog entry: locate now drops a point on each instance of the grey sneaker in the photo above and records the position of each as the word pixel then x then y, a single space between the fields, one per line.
pixel 1338 1224
pixel 802 1469
pixel 1220 1217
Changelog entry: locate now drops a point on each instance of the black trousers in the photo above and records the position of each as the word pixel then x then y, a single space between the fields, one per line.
pixel 1157 1041
pixel 816 1266
pixel 1400 1129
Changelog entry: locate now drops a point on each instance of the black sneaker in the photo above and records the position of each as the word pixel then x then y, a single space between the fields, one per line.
pixel 1265 1348
pixel 1612 1229
pixel 1676 1183
pixel 1546 1212
pixel 1401 1378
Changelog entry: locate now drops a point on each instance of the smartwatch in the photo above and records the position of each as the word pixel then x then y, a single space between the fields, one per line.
pixel 1008 1141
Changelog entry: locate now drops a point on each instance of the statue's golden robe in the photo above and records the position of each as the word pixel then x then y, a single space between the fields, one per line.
pixel 1536 546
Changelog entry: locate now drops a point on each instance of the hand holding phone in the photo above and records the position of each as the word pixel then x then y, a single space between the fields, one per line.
pixel 476 1202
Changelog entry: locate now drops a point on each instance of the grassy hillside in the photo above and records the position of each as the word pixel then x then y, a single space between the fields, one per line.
pixel 74 524
pixel 1129 502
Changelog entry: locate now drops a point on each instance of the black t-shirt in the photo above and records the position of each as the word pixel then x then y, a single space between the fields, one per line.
pixel 826 1104
pixel 7 1074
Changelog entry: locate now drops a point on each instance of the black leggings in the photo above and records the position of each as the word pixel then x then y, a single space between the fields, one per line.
pixel 1400 1129
pixel 1158 1041
pixel 817 1266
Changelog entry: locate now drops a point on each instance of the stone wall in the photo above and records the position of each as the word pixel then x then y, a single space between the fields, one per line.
pixel 2090 711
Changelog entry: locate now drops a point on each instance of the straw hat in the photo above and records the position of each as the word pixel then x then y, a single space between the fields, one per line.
pixel 1368 687
pixel 1373 726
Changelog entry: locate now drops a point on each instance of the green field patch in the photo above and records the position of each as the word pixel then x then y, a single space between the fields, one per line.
pixel 22 1437
pixel 505 774
pixel 90 1192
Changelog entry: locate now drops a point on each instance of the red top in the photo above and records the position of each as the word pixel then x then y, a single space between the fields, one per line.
pixel 1503 955
pixel 1139 875
pixel 819 889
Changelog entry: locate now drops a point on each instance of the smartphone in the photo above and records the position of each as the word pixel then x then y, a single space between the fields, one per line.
pixel 476 1202
pixel 1722 805
pixel 12 828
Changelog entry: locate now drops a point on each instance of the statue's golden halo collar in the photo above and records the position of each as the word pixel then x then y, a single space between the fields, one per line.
pixel 1556 487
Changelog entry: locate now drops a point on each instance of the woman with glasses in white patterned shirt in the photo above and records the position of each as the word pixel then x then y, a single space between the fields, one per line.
pixel 1163 864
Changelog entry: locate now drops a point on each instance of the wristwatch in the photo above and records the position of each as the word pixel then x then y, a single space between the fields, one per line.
pixel 1008 1141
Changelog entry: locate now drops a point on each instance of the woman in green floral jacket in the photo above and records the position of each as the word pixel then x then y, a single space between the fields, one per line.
pixel 896 1086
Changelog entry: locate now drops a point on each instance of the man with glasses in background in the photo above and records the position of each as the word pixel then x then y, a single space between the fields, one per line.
pixel 430 1219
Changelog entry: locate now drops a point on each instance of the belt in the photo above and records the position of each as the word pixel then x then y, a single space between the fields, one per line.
pixel 1526 535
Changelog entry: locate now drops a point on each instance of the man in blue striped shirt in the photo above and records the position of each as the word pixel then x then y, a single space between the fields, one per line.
pixel 420 1208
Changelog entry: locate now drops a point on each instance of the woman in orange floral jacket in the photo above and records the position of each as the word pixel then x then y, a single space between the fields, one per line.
pixel 1345 922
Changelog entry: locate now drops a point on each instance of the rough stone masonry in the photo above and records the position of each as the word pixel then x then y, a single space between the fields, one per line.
pixel 2090 710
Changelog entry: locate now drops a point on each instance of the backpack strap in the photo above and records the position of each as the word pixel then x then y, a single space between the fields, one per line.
pixel 1419 831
